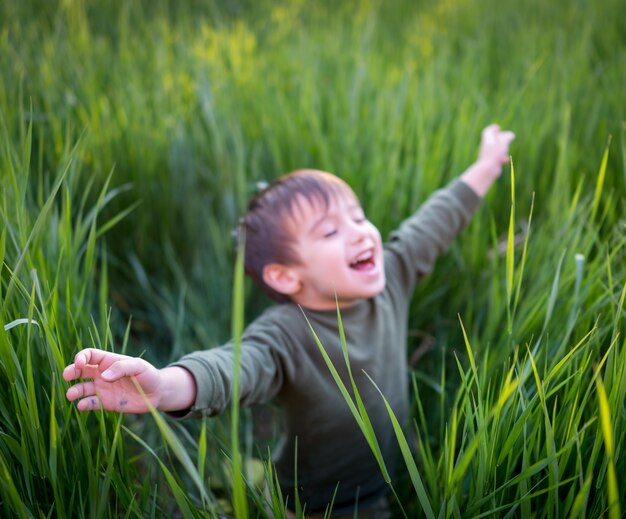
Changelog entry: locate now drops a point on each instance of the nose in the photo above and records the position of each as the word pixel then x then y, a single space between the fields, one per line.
pixel 358 232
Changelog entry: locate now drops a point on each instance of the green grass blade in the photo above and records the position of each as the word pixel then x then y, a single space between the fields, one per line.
pixel 371 440
pixel 553 499
pixel 556 369
pixel 579 507
pixel 109 470
pixel 112 222
pixel 177 448
pixel 411 466
pixel 523 259
pixel 600 181
pixel 367 424
pixel 553 294
pixel 202 449
pixel 17 322
pixel 607 434
pixel 510 253
pixel 10 491
pixel 179 494
pixel 239 489
pixel 54 434
pixel 619 312
pixel 41 220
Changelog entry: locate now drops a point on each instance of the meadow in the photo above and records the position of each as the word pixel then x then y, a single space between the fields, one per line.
pixel 132 135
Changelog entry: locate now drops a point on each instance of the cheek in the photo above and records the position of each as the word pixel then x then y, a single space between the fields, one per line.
pixel 334 257
pixel 375 234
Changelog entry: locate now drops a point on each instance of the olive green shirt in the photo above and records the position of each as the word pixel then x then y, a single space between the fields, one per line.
pixel 280 360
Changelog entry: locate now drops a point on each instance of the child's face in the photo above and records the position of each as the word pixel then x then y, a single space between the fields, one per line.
pixel 340 252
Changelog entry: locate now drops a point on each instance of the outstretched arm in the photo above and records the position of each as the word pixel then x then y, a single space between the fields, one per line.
pixel 493 153
pixel 425 236
pixel 126 384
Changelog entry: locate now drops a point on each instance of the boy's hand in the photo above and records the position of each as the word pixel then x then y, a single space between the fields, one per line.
pixel 494 147
pixel 493 153
pixel 114 382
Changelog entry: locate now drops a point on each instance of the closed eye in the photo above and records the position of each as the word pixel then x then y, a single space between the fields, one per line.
pixel 330 234
pixel 358 215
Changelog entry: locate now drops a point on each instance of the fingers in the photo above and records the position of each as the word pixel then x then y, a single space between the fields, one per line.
pixel 72 373
pixel 95 357
pixel 82 390
pixel 493 133
pixel 504 140
pixel 112 368
pixel 495 144
pixel 86 360
pixel 125 367
pixel 89 404
pixel 86 392
pixel 490 131
pixel 507 137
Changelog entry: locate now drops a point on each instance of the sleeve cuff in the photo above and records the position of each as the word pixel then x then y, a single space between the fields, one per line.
pixel 204 389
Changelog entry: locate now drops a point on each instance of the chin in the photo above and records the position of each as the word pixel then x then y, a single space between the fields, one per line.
pixel 379 289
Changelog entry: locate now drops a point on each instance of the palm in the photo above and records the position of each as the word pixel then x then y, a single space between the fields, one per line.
pixel 126 395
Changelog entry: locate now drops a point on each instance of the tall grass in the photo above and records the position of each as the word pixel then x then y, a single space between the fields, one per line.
pixel 132 136
pixel 525 438
pixel 50 265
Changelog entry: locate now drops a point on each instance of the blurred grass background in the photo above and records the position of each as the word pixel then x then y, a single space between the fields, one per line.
pixel 134 133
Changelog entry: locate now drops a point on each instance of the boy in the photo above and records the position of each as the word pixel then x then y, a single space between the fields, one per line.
pixel 309 246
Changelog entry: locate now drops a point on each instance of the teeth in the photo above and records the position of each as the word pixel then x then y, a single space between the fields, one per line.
pixel 364 256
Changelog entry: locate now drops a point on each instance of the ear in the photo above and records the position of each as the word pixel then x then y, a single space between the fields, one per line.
pixel 281 278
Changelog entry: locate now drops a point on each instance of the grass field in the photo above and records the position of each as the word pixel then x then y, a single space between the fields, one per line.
pixel 132 136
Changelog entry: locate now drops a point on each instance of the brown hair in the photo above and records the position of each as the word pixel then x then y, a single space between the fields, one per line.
pixel 267 238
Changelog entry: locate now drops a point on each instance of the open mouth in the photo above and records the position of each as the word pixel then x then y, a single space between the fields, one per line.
pixel 364 261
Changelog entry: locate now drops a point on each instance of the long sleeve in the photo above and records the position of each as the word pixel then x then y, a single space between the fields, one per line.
pixel 415 246
pixel 266 360
pixel 280 359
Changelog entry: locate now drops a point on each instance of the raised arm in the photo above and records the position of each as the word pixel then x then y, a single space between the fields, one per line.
pixel 126 384
pixel 415 246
